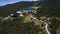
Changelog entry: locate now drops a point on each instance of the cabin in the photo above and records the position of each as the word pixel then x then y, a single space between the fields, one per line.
pixel 28 9
pixel 17 14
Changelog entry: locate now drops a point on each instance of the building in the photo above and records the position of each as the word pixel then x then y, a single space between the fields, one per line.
pixel 17 14
pixel 28 9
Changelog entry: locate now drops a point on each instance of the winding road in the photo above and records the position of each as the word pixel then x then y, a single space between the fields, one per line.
pixel 46 27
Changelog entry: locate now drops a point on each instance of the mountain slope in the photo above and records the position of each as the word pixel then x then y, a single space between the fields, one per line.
pixel 10 8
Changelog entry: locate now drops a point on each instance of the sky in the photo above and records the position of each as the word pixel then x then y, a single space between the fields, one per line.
pixel 5 2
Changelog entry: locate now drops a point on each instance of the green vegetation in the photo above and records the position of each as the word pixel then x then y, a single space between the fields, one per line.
pixel 17 26
pixel 24 25
pixel 27 19
pixel 51 9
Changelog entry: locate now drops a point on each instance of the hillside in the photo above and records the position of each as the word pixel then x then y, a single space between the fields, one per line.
pixel 51 7
pixel 10 8
pixel 44 20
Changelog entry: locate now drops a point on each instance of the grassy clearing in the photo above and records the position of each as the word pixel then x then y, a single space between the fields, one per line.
pixel 27 19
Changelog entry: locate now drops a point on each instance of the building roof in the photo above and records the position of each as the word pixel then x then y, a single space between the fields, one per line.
pixel 18 12
pixel 28 8
pixel 15 14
